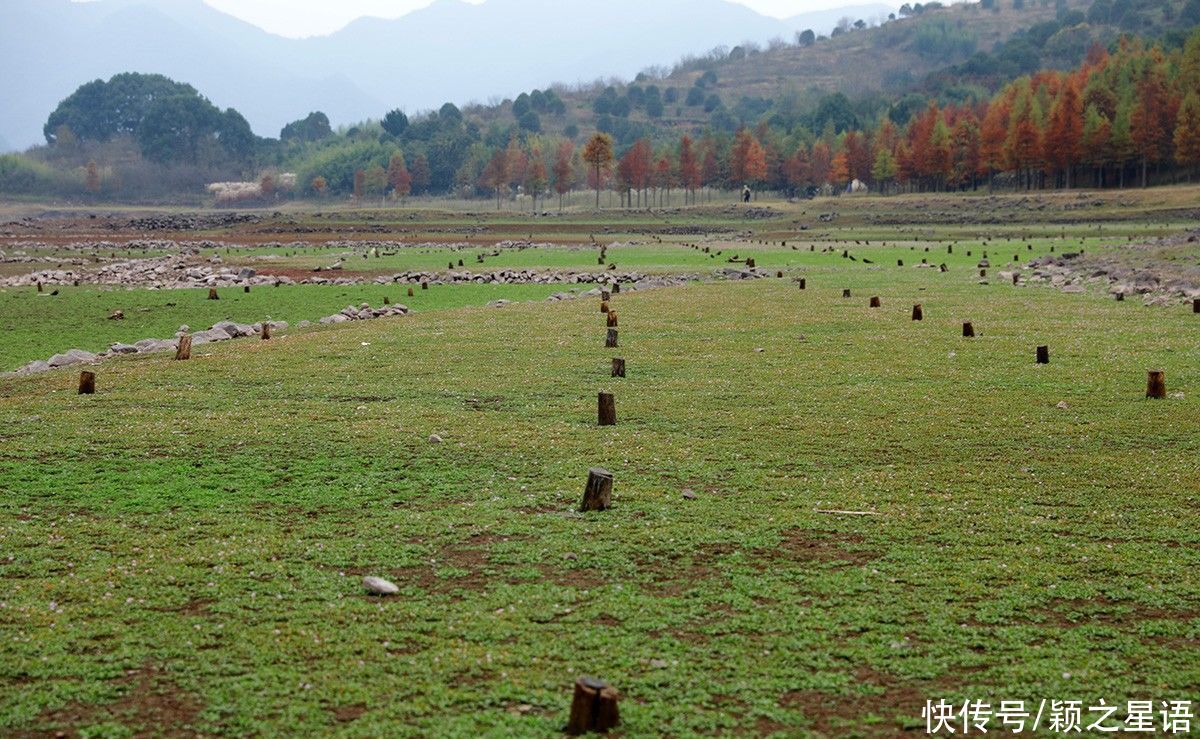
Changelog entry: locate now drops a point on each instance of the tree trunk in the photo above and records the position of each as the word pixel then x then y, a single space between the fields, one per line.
pixel 612 318
pixel 918 313
pixel 618 367
pixel 968 329
pixel 184 350
pixel 212 294
pixel 610 341
pixel 1156 384
pixel 266 330
pixel 1043 355
pixel 606 409
pixel 87 383
pixel 875 302
pixel 597 494
pixel 593 708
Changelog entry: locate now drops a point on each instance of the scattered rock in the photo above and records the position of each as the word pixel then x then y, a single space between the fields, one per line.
pixel 1062 404
pixel 379 586
pixel 435 439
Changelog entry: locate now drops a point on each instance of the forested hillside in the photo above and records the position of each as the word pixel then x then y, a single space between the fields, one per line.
pixel 970 97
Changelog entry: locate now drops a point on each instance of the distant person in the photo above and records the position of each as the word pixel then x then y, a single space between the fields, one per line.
pixel 745 193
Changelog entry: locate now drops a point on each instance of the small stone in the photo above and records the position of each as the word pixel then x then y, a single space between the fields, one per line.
pixel 379 586
pixel 759 350
pixel 658 664
pixel 572 556
pixel 689 494
pixel 1062 404
pixel 435 439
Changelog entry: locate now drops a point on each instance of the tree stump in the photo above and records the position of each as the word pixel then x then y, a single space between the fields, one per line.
pixel 942 267
pixel 968 329
pixel 749 263
pixel 874 303
pixel 39 285
pixel 899 262
pixel 1120 297
pixel 424 285
pixel 212 294
pixel 600 260
pixel 846 293
pixel 618 367
pixel 803 284
pixel 616 288
pixel 918 313
pixel 184 350
pixel 597 495
pixel 612 318
pixel 950 248
pixel 1196 305
pixel 605 296
pixel 1156 384
pixel 606 409
pixel 387 300
pixel 87 383
pixel 410 292
pixel 603 306
pixel 245 288
pixel 1016 279
pixel 779 274
pixel 983 273
pixel 266 330
pixel 1043 355
pixel 593 708
pixel 610 341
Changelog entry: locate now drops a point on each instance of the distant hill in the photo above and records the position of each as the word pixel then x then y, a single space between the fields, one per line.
pixel 749 81
pixel 450 51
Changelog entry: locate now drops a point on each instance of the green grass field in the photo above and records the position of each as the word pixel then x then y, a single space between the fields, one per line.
pixel 182 552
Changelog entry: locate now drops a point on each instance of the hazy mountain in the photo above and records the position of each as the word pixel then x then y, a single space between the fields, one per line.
pixel 451 50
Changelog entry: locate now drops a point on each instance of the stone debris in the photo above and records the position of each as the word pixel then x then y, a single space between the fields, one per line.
pixel 379 586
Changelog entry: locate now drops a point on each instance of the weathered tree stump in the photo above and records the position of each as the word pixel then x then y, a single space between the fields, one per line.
pixel 450 265
pixel 616 288
pixel 610 341
pixel 600 260
pixel 1196 305
pixel 597 494
pixel 618 367
pixel 1016 279
pixel 968 329
pixel 460 263
pixel 749 263
pixel 1043 355
pixel 1156 384
pixel 605 296
pixel 899 262
pixel 942 267
pixel 39 285
pixel 603 306
pixel 606 409
pixel 802 283
pixel 918 313
pixel 387 300
pixel 612 318
pixel 184 350
pixel 983 273
pixel 875 303
pixel 846 293
pixel 1120 297
pixel 424 285
pixel 212 294
pixel 266 330
pixel 245 288
pixel 410 292
pixel 597 706
pixel 950 248
pixel 87 383
pixel 779 274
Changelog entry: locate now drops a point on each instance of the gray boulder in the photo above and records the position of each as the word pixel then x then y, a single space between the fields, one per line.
pixel 74 356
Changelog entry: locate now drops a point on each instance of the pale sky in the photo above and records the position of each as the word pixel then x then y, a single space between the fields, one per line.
pixel 316 17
